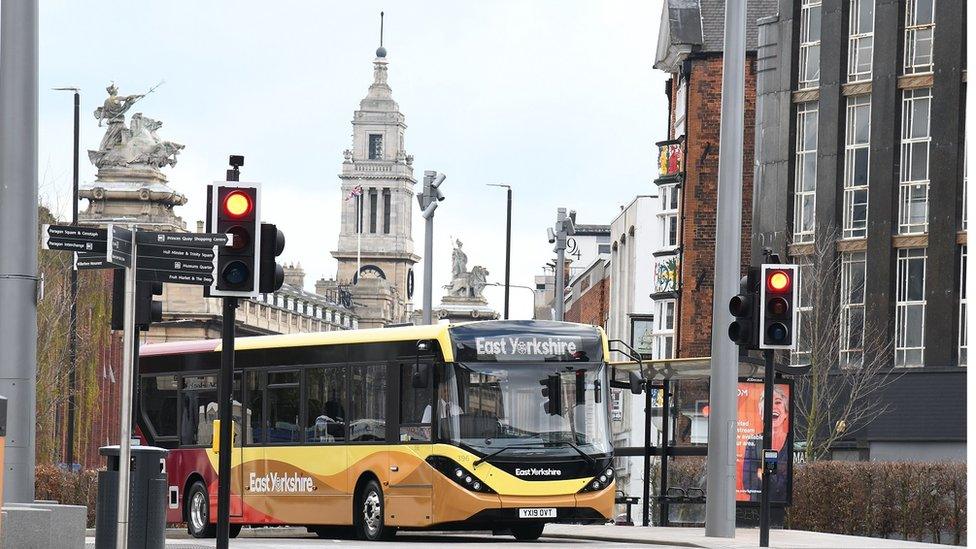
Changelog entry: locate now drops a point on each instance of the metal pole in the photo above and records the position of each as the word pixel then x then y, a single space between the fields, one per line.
pixel 508 250
pixel 125 400
pixel 666 419
pixel 720 504
pixel 73 319
pixel 560 291
pixel 18 240
pixel 225 403
pixel 767 443
pixel 428 267
pixel 648 407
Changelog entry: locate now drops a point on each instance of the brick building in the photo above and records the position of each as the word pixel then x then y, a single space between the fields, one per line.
pixel 690 50
pixel 588 294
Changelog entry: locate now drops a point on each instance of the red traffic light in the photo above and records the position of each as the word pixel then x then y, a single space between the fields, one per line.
pixel 778 281
pixel 238 204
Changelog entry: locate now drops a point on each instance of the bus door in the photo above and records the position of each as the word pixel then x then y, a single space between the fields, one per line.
pixel 411 478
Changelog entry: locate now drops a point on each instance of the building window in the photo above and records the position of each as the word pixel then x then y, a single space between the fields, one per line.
pixel 856 153
pixel 375 146
pixel 809 76
pixel 806 172
pixel 913 192
pixel 373 204
pixel 962 307
pixel 663 343
pixel 919 32
pixel 860 50
pixel 680 109
pixel 910 308
pixel 669 215
pixel 804 319
pixel 386 211
pixel 852 309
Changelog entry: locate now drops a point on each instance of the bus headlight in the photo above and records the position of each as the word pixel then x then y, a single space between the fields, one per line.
pixel 599 482
pixel 461 476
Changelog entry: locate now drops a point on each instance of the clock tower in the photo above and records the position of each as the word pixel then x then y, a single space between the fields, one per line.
pixel 375 251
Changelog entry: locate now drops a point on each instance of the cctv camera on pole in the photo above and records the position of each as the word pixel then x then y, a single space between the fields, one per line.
pixel 565 227
pixel 429 197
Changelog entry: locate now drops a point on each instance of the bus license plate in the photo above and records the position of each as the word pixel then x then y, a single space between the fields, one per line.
pixel 538 512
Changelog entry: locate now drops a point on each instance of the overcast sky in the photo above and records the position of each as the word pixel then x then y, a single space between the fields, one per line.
pixel 556 98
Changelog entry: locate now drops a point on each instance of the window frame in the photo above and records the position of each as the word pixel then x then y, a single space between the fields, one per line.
pixel 907 186
pixel 912 30
pixel 804 112
pixel 370 146
pixel 855 112
pixel 904 257
pixel 855 38
pixel 809 49
pixel 850 261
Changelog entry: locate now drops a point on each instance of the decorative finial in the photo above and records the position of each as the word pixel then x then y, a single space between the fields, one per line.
pixel 381 51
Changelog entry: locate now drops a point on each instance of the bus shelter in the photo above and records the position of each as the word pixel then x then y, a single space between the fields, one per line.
pixel 675 398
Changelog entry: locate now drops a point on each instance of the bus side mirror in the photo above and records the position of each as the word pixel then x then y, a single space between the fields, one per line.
pixel 420 377
pixel 636 383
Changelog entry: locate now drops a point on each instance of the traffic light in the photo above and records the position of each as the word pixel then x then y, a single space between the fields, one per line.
pixel 777 314
pixel 148 310
pixel 272 244
pixel 552 391
pixel 235 210
pixel 744 330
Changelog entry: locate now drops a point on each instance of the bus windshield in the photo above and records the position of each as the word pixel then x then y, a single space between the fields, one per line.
pixel 534 408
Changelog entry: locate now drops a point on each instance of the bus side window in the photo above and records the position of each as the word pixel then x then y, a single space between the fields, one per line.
pixel 367 414
pixel 199 410
pixel 326 389
pixel 415 407
pixel 255 405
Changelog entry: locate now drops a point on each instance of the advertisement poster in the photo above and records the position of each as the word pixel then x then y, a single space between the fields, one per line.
pixel 748 443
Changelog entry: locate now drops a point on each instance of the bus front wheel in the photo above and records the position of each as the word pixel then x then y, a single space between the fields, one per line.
pixel 369 514
pixel 528 532
pixel 198 512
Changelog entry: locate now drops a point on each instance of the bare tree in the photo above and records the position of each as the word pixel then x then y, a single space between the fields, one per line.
pixel 841 394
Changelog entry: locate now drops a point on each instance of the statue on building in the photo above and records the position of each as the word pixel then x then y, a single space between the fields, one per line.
pixel 459 260
pixel 464 283
pixel 136 145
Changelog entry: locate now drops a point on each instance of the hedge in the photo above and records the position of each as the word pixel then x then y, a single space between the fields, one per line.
pixel 923 501
pixel 54 483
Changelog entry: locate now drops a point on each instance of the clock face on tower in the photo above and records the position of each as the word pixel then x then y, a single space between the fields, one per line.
pixel 370 271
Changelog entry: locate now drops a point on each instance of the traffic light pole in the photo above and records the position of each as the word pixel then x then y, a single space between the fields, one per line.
pixel 225 405
pixel 767 443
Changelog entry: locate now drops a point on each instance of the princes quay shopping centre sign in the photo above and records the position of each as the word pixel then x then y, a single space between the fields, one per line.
pixel 527 347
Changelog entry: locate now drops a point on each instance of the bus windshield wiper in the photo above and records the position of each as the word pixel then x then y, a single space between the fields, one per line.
pixel 479 461
pixel 572 445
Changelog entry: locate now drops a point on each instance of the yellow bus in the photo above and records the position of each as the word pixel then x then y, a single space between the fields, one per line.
pixel 495 425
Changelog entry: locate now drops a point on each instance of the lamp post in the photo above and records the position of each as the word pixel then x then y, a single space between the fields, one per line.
pixel 508 242
pixel 429 197
pixel 69 454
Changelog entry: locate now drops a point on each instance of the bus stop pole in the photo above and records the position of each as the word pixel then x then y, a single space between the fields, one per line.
pixel 225 406
pixel 767 443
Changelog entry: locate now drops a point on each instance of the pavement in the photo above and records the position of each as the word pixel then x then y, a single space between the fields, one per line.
pixel 556 535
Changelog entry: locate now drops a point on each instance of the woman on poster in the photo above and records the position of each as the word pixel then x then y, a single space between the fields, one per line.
pixel 752 456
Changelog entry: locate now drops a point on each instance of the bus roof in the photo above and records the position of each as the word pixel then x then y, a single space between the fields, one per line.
pixel 371 335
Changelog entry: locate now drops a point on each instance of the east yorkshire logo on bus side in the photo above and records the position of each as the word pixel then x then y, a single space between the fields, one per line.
pixel 274 482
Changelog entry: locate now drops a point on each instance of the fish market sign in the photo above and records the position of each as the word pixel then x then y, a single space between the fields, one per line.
pixel 528 347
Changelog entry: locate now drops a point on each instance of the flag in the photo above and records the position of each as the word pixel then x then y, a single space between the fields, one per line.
pixel 356 191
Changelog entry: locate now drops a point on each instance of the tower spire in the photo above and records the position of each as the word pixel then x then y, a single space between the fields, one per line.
pixel 381 51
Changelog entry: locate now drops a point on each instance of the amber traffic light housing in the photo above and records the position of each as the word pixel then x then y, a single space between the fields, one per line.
pixel 235 210
pixel 778 300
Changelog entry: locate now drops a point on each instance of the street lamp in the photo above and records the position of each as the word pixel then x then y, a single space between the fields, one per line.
pixel 73 315
pixel 429 197
pixel 508 241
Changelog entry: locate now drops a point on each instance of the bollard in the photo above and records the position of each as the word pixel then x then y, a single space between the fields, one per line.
pixel 147 498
